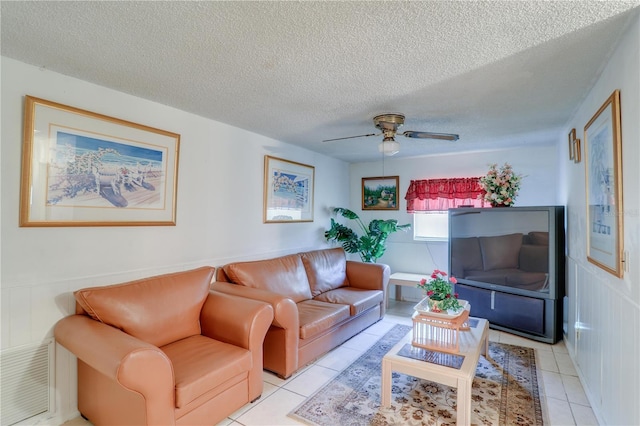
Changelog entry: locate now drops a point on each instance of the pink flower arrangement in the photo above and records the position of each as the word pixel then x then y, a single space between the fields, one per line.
pixel 501 186
pixel 440 288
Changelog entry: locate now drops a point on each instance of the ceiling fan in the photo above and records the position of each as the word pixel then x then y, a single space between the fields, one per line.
pixel 389 124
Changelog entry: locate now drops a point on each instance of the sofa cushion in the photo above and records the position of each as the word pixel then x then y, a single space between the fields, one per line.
pixel 534 281
pixel 326 269
pixel 359 300
pixel 466 252
pixel 200 364
pixel 283 275
pixel 500 252
pixel 158 310
pixel 534 258
pixel 539 238
pixel 317 317
pixel 491 277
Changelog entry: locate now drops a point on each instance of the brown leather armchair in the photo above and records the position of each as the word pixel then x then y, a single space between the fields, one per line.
pixel 165 350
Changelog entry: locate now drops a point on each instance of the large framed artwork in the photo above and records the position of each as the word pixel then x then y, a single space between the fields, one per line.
pixel 380 193
pixel 603 164
pixel 81 168
pixel 288 191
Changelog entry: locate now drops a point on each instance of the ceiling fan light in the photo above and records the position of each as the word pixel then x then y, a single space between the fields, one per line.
pixel 389 147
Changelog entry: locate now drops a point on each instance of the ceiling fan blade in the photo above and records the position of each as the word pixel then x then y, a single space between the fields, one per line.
pixel 431 135
pixel 351 137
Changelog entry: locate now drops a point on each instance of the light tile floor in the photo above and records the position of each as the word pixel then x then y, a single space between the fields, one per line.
pixel 563 400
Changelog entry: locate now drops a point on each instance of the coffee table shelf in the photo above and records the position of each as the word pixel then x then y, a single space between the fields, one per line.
pixel 437 333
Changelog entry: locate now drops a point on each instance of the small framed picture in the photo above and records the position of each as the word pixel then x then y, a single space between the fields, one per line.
pixel 380 193
pixel 572 139
pixel 288 191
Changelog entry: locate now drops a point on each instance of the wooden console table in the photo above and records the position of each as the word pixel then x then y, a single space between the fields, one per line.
pixel 400 279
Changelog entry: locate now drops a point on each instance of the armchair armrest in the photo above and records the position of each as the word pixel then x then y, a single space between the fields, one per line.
pixel 285 310
pixel 368 276
pixel 235 320
pixel 130 362
pixel 280 348
pixel 241 322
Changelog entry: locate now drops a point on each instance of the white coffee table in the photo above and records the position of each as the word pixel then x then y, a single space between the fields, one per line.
pixel 472 343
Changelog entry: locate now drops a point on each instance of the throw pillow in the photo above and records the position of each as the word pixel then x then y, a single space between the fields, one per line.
pixel 500 252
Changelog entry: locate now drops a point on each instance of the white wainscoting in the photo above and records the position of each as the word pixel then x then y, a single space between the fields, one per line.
pixel 604 341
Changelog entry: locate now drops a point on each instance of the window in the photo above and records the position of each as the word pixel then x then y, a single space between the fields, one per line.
pixel 431 226
pixel 429 201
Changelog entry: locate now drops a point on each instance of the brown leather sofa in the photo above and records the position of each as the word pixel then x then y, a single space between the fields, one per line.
pixel 319 300
pixel 165 350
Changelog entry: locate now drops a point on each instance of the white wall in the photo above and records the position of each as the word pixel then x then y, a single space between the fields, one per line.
pixel 604 311
pixel 219 213
pixel 539 187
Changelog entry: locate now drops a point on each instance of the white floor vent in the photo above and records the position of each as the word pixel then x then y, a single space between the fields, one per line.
pixel 27 379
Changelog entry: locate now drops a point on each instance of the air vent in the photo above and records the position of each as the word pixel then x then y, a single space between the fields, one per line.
pixel 27 377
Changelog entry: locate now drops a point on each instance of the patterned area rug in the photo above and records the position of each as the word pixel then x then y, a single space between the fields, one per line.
pixel 504 392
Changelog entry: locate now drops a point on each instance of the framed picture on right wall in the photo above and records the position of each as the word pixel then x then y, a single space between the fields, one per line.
pixel 603 172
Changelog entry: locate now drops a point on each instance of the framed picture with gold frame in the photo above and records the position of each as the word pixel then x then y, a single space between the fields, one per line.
pixel 288 191
pixel 603 165
pixel 380 193
pixel 81 168
pixel 577 154
pixel 572 139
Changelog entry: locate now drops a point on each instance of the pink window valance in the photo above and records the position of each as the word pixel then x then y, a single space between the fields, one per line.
pixel 443 194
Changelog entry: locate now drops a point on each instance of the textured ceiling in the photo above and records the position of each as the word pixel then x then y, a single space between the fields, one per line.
pixel 498 73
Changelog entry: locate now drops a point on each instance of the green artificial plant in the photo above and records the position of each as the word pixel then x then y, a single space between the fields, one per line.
pixel 370 246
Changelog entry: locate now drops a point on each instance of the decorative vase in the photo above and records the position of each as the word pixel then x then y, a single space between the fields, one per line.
pixel 434 305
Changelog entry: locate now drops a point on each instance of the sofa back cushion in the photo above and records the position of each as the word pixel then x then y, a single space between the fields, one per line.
pixel 500 252
pixel 539 238
pixel 158 310
pixel 283 275
pixel 466 252
pixel 534 258
pixel 326 269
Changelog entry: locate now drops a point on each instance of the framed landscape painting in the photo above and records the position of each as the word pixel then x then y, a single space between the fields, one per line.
pixel 380 193
pixel 81 168
pixel 603 163
pixel 288 191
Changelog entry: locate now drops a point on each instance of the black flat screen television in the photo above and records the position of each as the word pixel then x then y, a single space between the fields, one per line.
pixel 518 250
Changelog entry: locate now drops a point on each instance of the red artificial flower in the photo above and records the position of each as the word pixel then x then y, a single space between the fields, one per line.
pixel 439 288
